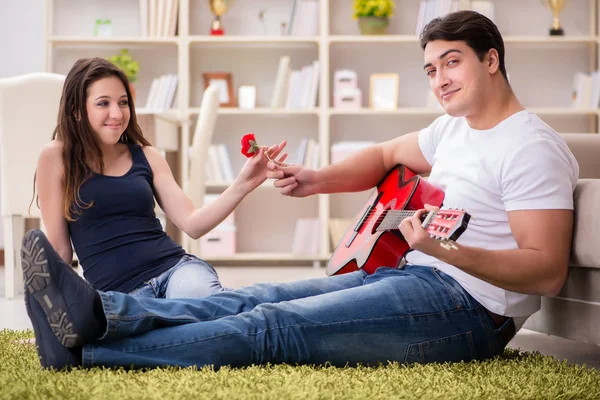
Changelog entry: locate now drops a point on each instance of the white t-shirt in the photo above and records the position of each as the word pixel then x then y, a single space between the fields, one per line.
pixel 520 164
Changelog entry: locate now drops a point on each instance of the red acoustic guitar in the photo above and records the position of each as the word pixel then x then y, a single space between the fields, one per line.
pixel 374 240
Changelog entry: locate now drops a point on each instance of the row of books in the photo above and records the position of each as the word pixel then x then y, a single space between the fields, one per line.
pixel 430 9
pixel 295 89
pixel 304 18
pixel 158 18
pixel 162 92
pixel 219 169
pixel 586 90
pixel 308 153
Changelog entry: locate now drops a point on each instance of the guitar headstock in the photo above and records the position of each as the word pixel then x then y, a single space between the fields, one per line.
pixel 446 226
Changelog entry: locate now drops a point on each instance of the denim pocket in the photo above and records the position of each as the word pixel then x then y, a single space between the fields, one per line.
pixel 453 348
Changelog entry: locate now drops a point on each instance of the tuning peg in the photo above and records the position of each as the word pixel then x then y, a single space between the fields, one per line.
pixel 445 245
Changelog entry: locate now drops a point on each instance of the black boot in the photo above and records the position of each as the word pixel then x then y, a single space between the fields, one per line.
pixel 68 302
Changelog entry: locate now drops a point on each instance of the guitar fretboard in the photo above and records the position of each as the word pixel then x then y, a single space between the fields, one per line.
pixel 392 219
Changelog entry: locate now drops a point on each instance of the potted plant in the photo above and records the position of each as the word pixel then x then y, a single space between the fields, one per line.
pixel 373 15
pixel 128 65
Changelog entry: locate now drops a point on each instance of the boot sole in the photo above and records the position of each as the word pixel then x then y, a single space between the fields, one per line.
pixel 39 282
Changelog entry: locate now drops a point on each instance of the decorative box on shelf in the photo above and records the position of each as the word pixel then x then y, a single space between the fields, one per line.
pixel 344 79
pixel 348 98
pixel 220 242
pixel 346 93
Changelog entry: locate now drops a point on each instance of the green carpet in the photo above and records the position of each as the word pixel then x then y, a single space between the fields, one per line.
pixel 515 375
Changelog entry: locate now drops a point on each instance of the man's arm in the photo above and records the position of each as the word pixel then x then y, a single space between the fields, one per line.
pixel 364 169
pixel 360 171
pixel 539 266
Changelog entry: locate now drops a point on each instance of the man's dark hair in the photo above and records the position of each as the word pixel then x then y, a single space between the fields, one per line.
pixel 476 30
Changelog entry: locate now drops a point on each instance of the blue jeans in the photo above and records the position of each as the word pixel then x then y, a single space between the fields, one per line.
pixel 191 277
pixel 413 314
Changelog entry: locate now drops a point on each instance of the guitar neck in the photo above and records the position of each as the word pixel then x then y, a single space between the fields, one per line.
pixel 392 219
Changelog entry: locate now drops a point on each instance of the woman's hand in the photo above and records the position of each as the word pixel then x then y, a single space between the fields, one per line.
pixel 254 171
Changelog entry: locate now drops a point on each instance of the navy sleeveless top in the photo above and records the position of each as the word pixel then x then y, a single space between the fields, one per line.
pixel 119 241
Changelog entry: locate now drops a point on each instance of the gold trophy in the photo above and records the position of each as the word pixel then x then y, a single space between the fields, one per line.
pixel 556 6
pixel 218 7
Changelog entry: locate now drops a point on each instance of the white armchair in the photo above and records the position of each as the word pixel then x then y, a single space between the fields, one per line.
pixel 196 186
pixel 28 114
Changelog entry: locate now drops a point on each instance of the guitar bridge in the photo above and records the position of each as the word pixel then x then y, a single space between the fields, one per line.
pixel 358 226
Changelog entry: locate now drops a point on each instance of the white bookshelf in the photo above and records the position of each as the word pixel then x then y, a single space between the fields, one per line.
pixel 541 70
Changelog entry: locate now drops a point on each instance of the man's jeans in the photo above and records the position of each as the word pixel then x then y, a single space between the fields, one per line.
pixel 413 314
pixel 191 277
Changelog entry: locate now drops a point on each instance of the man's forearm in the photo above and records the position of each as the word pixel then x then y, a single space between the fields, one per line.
pixel 360 171
pixel 520 270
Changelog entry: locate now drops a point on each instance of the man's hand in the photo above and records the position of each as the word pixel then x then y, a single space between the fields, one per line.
pixel 416 236
pixel 292 180
pixel 254 172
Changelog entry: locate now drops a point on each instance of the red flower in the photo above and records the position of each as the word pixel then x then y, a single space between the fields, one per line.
pixel 249 146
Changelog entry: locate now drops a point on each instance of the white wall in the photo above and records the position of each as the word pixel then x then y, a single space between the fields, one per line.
pixel 21 42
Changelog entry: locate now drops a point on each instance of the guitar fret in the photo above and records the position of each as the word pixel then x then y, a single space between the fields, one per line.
pixel 392 219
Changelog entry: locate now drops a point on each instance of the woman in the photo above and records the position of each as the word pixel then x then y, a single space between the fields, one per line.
pixel 97 181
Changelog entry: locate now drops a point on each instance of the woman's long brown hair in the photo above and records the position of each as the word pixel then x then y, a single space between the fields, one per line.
pixel 81 154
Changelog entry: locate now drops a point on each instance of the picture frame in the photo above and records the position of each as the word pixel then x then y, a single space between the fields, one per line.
pixel 224 81
pixel 246 97
pixel 383 91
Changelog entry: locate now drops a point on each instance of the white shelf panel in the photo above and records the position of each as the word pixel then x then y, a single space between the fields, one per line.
pixel 415 39
pixel 267 257
pixel 220 186
pixel 252 39
pixel 433 111
pixel 57 40
pixel 397 111
pixel 564 111
pixel 550 39
pixel 150 111
pixel 260 111
pixel 373 39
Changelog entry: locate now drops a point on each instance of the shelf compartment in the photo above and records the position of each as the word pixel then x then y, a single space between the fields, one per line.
pixel 260 111
pixel 241 257
pixel 386 39
pixel 116 40
pixel 207 39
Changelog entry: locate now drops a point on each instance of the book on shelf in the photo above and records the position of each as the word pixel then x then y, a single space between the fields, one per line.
pixel 304 18
pixel 158 18
pixel 308 153
pixel 307 236
pixel 430 9
pixel 586 90
pixel 296 89
pixel 162 92
pixel 218 165
pixel 280 89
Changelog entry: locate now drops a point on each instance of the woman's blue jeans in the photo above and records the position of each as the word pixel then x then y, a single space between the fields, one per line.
pixel 191 277
pixel 412 314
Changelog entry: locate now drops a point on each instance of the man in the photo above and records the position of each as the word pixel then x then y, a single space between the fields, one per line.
pixel 488 154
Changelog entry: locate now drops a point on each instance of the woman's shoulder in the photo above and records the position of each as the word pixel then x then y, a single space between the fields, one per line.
pixel 52 151
pixel 151 153
pixel 50 159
